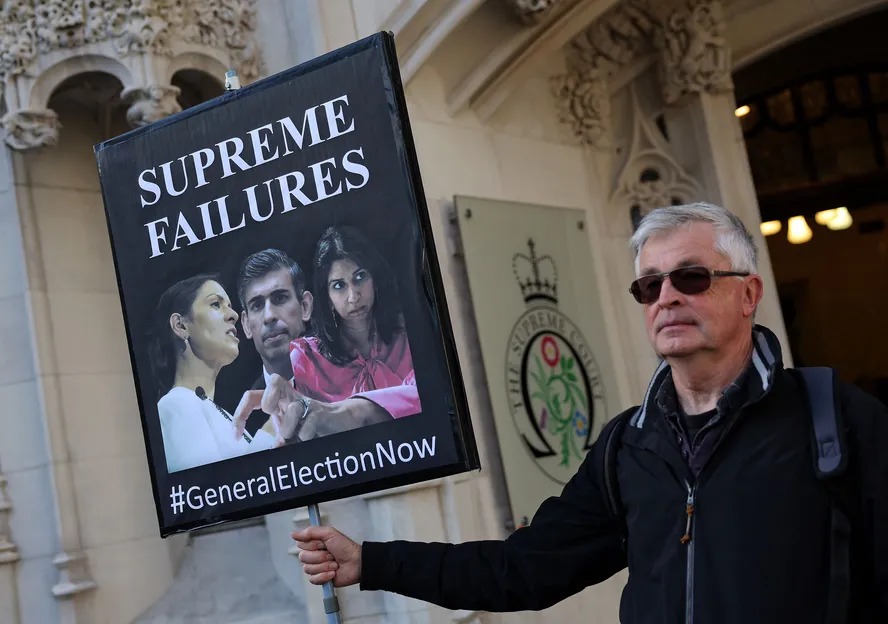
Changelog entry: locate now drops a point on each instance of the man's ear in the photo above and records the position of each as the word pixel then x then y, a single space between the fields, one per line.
pixel 307 306
pixel 246 326
pixel 753 291
pixel 177 324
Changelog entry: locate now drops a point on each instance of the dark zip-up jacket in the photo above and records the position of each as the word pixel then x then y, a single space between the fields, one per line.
pixel 759 537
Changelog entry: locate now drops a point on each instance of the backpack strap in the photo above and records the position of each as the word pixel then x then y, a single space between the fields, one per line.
pixel 611 483
pixel 830 463
pixel 831 457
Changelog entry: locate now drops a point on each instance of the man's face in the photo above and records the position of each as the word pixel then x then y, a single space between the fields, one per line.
pixel 680 325
pixel 274 315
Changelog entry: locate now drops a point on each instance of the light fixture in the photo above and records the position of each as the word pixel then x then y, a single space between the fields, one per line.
pixel 825 216
pixel 798 231
pixel 742 111
pixel 770 228
pixel 841 221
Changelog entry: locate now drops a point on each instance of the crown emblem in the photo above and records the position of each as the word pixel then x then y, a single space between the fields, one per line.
pixel 536 275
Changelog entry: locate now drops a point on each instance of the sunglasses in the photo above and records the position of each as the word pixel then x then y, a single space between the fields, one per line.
pixel 686 280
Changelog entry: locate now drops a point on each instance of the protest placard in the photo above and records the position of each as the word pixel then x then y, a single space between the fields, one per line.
pixel 286 319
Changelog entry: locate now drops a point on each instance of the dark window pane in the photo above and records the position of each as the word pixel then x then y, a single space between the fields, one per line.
pixel 780 108
pixel 879 87
pixel 842 147
pixel 883 129
pixel 813 96
pixel 848 91
pixel 776 160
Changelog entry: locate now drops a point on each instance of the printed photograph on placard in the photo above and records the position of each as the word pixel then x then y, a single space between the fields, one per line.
pixel 327 338
pixel 283 304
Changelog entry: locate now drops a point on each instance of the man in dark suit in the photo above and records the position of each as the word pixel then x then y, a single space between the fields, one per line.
pixel 276 309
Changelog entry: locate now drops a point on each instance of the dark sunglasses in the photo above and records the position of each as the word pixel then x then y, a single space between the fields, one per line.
pixel 686 280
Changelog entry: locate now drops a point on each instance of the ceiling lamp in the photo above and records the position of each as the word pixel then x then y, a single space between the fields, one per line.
pixel 742 111
pixel 841 221
pixel 825 216
pixel 770 228
pixel 798 231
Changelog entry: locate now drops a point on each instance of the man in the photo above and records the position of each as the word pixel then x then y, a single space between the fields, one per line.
pixel 725 519
pixel 276 309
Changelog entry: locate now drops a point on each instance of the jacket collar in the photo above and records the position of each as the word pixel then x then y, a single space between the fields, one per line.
pixel 750 386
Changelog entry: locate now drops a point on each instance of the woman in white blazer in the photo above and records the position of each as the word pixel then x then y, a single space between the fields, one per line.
pixel 195 335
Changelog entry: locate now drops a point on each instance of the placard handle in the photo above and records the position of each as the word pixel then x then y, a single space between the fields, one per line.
pixel 331 603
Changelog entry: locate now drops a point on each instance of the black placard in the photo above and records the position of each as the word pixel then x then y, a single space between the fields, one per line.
pixel 316 162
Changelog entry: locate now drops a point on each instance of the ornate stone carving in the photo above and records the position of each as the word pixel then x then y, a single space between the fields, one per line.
pixel 695 56
pixel 149 104
pixel 654 180
pixel 582 95
pixel 17 34
pixel 135 40
pixel 651 178
pixel 29 28
pixel 531 11
pixel 583 104
pixel 8 551
pixel 693 51
pixel 27 129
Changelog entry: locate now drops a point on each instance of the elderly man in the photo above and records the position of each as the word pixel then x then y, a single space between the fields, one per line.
pixel 723 518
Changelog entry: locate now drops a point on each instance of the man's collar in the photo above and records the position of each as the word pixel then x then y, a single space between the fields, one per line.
pixel 267 376
pixel 753 383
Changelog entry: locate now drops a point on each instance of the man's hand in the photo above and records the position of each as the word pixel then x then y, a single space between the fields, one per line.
pixel 328 555
pixel 291 422
pixel 280 401
pixel 327 418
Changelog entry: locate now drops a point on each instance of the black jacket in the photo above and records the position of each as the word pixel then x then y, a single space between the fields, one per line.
pixel 760 535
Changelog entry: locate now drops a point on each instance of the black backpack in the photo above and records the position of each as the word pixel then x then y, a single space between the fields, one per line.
pixel 830 464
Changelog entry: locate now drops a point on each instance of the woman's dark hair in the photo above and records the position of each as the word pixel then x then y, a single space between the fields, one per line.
pixel 164 347
pixel 346 242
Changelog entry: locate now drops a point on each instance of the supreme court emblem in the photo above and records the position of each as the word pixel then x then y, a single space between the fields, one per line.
pixel 553 382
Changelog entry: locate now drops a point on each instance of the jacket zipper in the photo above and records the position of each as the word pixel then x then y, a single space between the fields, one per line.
pixel 688 540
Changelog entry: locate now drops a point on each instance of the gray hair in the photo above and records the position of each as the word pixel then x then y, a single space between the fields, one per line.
pixel 732 239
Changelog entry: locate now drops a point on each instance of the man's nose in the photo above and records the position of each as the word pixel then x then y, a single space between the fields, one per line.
pixel 669 295
pixel 268 313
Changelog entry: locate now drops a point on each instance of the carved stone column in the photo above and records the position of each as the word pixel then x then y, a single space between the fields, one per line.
pixel 695 76
pixel 43 43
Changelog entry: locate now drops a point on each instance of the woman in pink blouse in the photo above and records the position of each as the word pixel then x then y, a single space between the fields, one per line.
pixel 361 347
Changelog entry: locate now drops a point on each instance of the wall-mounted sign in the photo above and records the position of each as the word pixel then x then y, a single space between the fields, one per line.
pixel 283 304
pixel 543 341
